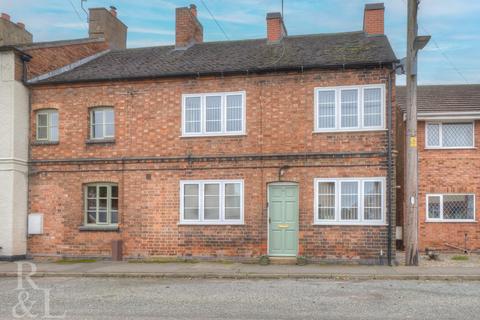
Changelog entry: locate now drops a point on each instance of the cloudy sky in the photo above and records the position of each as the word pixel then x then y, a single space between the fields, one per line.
pixel 452 56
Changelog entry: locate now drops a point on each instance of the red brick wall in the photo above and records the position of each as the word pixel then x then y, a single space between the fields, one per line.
pixel 374 21
pixel 148 124
pixel 46 59
pixel 448 171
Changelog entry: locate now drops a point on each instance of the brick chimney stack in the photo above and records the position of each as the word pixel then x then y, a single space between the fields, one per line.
pixel 13 33
pixel 374 18
pixel 188 29
pixel 275 27
pixel 104 24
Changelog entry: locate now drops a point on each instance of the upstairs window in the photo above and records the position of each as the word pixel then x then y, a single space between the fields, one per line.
pixel 102 123
pixel 47 125
pixel 450 207
pixel 211 202
pixel 101 204
pixel 213 114
pixel 450 135
pixel 349 108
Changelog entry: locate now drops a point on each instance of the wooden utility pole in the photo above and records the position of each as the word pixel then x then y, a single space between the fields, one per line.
pixel 414 44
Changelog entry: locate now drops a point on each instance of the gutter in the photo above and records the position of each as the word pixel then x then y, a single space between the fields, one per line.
pixel 193 74
pixel 389 170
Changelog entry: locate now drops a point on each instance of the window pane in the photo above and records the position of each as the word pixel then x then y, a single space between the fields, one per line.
pixel 349 108
pixel 109 130
pixel 326 200
pixel 102 216
pixel 92 192
pixel 458 207
pixel 349 201
pixel 232 201
pixel 97 116
pixel 190 202
pixel 42 133
pixel 372 105
pixel 97 131
pixel 114 217
pixel 91 217
pixel 102 204
pixel 53 133
pixel 373 200
pixel 457 134
pixel 234 113
pixel 114 204
pixel 54 118
pixel 434 207
pixel 326 109
pixel 212 201
pixel 42 120
pixel 213 114
pixel 433 135
pixel 91 205
pixel 109 116
pixel 103 191
pixel 115 191
pixel 192 114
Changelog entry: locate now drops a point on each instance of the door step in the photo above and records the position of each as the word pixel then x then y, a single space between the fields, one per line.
pixel 283 260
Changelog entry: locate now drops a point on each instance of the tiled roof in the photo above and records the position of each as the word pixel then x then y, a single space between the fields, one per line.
pixel 443 98
pixel 244 56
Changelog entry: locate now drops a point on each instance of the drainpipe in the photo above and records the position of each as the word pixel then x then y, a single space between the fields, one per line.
pixel 389 168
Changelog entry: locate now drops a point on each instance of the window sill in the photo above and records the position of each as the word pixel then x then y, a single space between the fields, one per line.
pixel 360 224
pixel 349 130
pixel 216 135
pixel 451 148
pixel 112 228
pixel 100 141
pixel 44 143
pixel 451 221
pixel 211 223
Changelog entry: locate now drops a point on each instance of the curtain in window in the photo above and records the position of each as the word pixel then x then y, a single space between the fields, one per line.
pixel 372 107
pixel 232 201
pixel 349 200
pixel 213 114
pixel 349 108
pixel 191 202
pixel 326 109
pixel 372 201
pixel 234 113
pixel 326 200
pixel 192 114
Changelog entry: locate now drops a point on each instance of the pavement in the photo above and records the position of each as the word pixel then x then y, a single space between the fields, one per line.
pixel 204 270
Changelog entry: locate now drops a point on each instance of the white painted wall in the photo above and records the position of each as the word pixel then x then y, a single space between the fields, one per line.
pixel 14 122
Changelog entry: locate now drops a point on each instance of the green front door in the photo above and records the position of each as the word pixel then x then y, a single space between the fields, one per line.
pixel 283 219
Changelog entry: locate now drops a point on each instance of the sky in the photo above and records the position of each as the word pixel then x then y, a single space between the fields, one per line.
pixel 452 57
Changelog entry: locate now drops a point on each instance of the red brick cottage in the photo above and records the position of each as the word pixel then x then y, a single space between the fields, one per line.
pixel 449 165
pixel 280 146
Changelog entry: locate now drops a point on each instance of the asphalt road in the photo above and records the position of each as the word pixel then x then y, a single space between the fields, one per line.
pixel 127 298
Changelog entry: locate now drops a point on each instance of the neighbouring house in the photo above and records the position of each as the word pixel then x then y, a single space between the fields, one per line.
pixel 21 59
pixel 281 146
pixel 449 165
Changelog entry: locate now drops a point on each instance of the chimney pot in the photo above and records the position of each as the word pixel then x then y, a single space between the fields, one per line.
pixel 21 25
pixel 374 18
pixel 113 11
pixel 193 10
pixel 275 27
pixel 5 16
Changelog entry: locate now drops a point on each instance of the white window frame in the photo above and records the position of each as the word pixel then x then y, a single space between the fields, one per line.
pixel 104 123
pixel 338 109
pixel 428 219
pixel 440 130
pixel 203 108
pixel 48 113
pixel 201 220
pixel 361 221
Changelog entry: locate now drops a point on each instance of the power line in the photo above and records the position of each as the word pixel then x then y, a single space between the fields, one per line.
pixel 213 17
pixel 78 14
pixel 444 55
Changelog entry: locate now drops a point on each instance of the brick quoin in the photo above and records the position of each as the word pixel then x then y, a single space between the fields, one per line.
pixel 279 120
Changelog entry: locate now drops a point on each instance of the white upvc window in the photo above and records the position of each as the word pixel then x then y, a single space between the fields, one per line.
pixel 349 201
pixel 102 123
pixel 450 135
pixel 213 114
pixel 355 108
pixel 450 207
pixel 47 125
pixel 211 202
